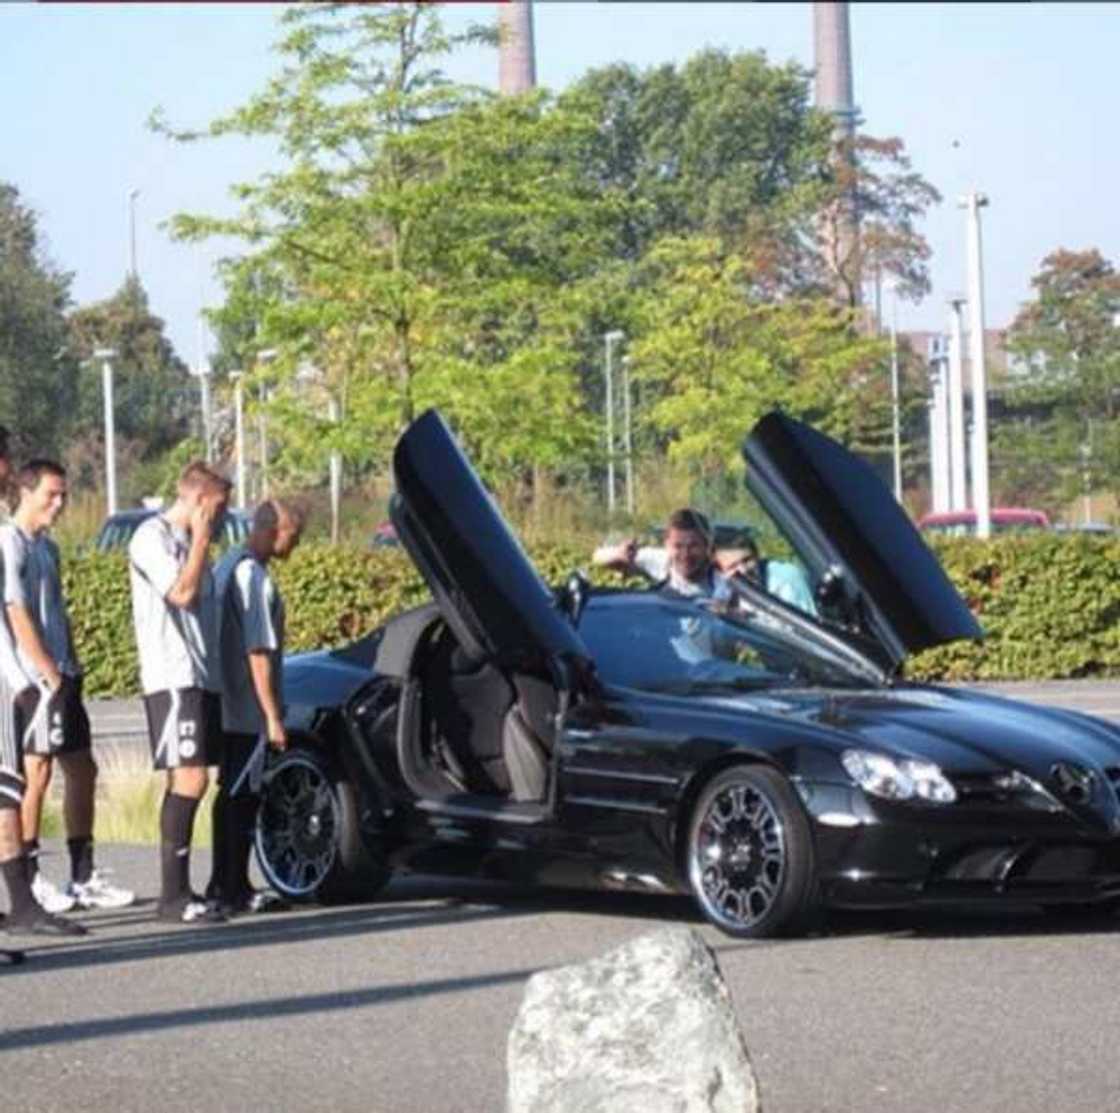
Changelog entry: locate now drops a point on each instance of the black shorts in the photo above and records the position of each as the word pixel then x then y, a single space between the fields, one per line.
pixel 241 768
pixel 60 726
pixel 184 727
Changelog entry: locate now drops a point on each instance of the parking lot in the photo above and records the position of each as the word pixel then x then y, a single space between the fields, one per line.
pixel 404 1005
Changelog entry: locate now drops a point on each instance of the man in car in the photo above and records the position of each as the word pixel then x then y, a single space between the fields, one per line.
pixel 782 579
pixel 175 616
pixel 251 654
pixel 685 566
pixel 48 712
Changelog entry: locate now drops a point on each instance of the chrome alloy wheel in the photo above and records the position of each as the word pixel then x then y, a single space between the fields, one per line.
pixel 297 826
pixel 737 856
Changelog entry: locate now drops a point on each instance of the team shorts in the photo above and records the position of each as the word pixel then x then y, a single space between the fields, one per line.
pixel 56 724
pixel 184 727
pixel 241 768
pixel 11 752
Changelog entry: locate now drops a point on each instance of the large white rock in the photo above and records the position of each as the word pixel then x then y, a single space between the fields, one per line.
pixel 647 1028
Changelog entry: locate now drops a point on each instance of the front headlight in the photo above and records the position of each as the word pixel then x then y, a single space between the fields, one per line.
pixel 898 780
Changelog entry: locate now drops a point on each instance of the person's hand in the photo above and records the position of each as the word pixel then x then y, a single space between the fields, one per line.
pixel 52 680
pixel 202 520
pixel 277 734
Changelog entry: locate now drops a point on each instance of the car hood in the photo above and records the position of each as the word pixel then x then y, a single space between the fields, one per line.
pixel 324 678
pixel 970 735
pixel 855 539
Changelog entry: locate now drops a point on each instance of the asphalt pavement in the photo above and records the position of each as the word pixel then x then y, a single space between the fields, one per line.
pixel 404 1005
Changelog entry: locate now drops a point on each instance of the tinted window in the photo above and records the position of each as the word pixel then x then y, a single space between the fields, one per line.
pixel 657 643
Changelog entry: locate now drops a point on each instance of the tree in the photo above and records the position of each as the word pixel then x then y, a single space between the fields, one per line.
pixel 1068 339
pixel 871 180
pixel 712 361
pixel 726 143
pixel 153 395
pixel 37 373
pixel 414 242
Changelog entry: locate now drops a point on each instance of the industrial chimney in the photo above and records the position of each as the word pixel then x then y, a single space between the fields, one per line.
pixel 517 67
pixel 832 59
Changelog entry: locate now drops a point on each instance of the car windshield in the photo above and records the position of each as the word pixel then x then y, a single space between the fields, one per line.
pixel 661 644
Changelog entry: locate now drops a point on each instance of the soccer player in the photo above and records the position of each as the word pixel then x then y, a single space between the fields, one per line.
pixel 252 647
pixel 175 618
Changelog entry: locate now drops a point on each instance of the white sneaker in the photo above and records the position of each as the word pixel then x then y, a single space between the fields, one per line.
pixel 49 896
pixel 99 892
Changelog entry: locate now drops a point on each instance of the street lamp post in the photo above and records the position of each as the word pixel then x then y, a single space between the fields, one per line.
pixel 106 355
pixel 132 195
pixel 973 202
pixel 335 474
pixel 896 430
pixel 264 357
pixel 609 340
pixel 627 435
pixel 958 493
pixel 239 433
pixel 202 372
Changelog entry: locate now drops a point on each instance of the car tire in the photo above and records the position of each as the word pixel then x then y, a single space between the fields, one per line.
pixel 749 856
pixel 308 835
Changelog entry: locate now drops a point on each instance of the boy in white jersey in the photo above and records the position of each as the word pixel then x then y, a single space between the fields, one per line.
pixel 175 618
pixel 52 719
pixel 252 648
pixel 25 914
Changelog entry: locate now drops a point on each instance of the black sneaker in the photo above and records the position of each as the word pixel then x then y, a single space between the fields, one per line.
pixel 194 910
pixel 41 922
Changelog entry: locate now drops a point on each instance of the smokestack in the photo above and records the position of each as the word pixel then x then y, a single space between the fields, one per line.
pixel 832 59
pixel 517 67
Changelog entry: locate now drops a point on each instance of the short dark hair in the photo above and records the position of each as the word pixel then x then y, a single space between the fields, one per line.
pixel 687 518
pixel 29 475
pixel 270 513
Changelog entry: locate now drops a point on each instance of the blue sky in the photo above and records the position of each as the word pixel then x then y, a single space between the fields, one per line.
pixel 1028 92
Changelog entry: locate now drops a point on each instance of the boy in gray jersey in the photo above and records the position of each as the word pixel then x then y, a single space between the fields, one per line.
pixel 44 714
pixel 175 620
pixel 252 646
pixel 25 914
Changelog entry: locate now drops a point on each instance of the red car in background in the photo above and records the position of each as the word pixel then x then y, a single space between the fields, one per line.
pixel 1005 519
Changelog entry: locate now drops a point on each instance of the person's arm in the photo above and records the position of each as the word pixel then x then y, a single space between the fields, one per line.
pixel 263 668
pixel 253 596
pixel 184 591
pixel 619 557
pixel 25 630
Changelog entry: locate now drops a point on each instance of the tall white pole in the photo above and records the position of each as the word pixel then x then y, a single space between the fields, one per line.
pixel 264 357
pixel 973 202
pixel 958 499
pixel 106 355
pixel 207 430
pixel 132 195
pixel 939 425
pixel 608 340
pixel 262 434
pixel 239 434
pixel 336 476
pixel 896 431
pixel 627 435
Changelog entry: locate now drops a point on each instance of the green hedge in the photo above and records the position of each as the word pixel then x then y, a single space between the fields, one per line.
pixel 1050 605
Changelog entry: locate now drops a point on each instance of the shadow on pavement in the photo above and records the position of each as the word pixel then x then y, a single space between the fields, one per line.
pixel 43 1035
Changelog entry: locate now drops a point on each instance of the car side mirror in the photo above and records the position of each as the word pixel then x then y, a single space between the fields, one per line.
pixel 573 596
pixel 833 598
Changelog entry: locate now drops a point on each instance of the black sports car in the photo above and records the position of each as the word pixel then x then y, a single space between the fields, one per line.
pixel 768 762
